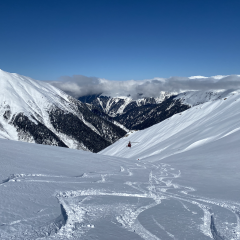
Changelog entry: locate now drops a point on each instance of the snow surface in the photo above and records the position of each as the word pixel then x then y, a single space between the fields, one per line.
pixel 185 184
pixel 202 143
pixel 35 99
pixel 20 94
pixel 193 98
pixel 121 126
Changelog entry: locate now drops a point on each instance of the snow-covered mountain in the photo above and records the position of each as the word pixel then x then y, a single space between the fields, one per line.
pixel 37 112
pixel 193 98
pixel 115 106
pixel 146 116
pixel 135 114
pixel 197 126
pixel 185 184
pixel 203 144
pixel 145 112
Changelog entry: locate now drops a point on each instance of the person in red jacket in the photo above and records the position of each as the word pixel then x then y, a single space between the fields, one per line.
pixel 129 144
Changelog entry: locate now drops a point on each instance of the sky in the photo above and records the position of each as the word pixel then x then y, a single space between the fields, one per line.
pixel 119 39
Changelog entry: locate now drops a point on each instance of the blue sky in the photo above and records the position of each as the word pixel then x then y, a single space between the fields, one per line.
pixel 118 39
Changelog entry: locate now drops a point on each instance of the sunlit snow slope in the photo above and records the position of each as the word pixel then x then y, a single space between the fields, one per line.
pixel 185 184
pixel 34 180
pixel 193 128
pixel 35 111
pixel 203 144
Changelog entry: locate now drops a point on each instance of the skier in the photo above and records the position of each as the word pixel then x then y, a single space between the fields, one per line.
pixel 129 144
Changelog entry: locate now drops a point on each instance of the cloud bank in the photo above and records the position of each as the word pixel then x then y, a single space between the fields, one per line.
pixel 79 85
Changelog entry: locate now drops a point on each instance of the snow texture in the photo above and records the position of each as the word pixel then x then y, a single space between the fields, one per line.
pixel 180 180
pixel 37 112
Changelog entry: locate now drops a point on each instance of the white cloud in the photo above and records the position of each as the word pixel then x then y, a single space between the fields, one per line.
pixel 79 85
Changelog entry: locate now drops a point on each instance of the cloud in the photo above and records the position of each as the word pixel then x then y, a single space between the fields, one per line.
pixel 79 85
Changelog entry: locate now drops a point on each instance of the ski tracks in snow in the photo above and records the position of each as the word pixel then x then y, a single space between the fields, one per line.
pixel 141 189
pixel 144 200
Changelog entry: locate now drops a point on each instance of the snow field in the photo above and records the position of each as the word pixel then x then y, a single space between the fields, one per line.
pixel 136 199
pixel 203 144
pixel 185 185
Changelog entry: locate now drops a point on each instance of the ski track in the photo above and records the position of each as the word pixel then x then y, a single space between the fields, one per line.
pixel 83 208
pixel 163 228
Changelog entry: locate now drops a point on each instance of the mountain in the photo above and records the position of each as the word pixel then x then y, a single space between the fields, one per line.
pixel 135 114
pixel 199 125
pixel 202 146
pixel 179 180
pixel 115 106
pixel 145 112
pixel 146 116
pixel 193 98
pixel 37 112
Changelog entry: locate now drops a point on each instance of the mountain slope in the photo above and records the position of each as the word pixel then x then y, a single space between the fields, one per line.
pixel 185 185
pixel 146 116
pixel 196 126
pixel 203 144
pixel 115 106
pixel 193 98
pixel 145 112
pixel 135 114
pixel 37 112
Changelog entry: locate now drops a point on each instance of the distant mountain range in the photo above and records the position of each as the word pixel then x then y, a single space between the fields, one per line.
pixel 37 112
pixel 145 112
pixel 115 106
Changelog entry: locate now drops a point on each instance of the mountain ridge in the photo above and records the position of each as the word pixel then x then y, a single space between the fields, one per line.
pixel 142 113
pixel 31 109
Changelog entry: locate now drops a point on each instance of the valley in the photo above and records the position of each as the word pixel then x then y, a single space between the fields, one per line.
pixel 178 181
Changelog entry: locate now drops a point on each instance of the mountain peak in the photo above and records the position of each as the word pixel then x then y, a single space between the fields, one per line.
pixel 36 111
